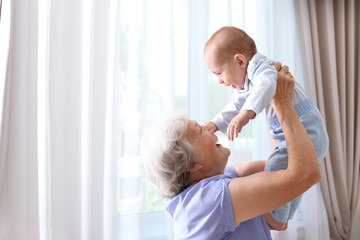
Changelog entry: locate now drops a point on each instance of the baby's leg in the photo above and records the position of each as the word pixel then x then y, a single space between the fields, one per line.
pixel 277 219
pixel 317 132
pixel 294 205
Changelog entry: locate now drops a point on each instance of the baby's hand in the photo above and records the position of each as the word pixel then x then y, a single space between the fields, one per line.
pixel 210 126
pixel 238 122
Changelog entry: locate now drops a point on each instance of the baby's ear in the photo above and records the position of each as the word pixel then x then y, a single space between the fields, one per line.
pixel 241 59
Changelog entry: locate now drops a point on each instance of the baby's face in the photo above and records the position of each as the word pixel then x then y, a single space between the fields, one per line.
pixel 226 68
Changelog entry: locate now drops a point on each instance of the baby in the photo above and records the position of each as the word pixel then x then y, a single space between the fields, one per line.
pixel 231 55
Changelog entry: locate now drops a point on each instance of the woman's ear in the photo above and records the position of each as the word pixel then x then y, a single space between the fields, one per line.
pixel 241 59
pixel 195 168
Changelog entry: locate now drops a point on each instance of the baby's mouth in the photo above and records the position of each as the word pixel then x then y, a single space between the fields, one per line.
pixel 233 86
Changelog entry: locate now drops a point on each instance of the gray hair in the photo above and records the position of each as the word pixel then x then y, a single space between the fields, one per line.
pixel 167 154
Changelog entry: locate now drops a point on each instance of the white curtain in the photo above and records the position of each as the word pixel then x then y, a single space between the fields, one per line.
pixel 84 78
pixel 18 141
pixel 57 163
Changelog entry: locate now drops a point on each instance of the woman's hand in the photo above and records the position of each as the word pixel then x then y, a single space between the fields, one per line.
pixel 284 87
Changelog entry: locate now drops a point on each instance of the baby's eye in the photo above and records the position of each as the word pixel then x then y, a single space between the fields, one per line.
pixel 218 74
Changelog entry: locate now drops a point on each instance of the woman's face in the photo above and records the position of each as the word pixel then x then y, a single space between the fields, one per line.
pixel 211 156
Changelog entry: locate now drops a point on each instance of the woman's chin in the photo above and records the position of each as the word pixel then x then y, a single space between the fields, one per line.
pixel 227 152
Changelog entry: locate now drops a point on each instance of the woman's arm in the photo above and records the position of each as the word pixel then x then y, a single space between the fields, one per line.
pixel 262 192
pixel 248 168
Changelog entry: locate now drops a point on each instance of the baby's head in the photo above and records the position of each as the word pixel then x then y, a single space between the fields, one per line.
pixel 227 54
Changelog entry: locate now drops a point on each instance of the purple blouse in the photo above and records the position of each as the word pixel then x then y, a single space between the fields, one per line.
pixel 204 211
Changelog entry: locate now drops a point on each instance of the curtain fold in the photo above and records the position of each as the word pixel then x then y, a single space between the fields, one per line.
pixel 330 43
pixel 18 162
pixel 57 151
pixel 0 8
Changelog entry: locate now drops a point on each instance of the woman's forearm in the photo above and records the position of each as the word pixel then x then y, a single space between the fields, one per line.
pixel 248 168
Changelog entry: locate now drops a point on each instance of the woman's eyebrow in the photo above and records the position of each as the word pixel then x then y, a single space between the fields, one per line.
pixel 199 127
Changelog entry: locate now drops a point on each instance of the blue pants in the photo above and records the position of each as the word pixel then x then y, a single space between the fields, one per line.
pixel 311 119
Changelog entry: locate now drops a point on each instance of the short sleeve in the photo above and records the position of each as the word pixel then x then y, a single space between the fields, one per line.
pixel 229 171
pixel 205 211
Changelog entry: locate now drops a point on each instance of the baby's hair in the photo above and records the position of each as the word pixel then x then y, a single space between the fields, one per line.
pixel 232 40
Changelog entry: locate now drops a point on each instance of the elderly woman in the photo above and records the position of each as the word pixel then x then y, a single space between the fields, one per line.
pixel 209 200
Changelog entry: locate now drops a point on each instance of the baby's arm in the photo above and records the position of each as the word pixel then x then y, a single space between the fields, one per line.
pixel 263 77
pixel 238 122
pixel 223 118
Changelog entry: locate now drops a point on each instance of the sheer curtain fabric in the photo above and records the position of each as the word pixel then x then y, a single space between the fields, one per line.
pixel 57 164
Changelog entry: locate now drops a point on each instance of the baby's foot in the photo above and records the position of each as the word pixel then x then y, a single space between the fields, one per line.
pixel 274 225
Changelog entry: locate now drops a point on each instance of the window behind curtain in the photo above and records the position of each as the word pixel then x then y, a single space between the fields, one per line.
pixel 154 75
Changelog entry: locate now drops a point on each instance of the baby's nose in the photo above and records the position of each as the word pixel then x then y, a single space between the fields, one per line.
pixel 221 81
